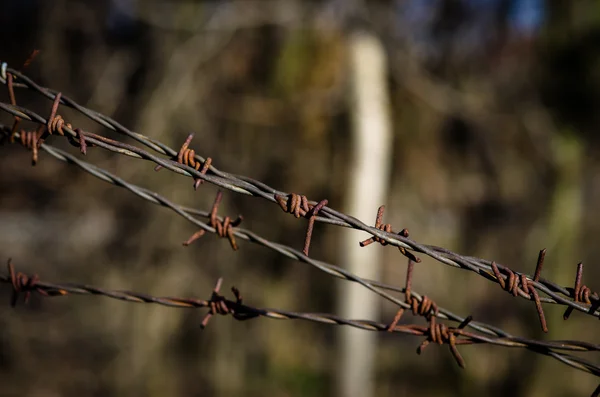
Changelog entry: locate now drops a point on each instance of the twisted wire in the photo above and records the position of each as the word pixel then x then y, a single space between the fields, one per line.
pixel 414 301
pixel 218 304
pixel 245 185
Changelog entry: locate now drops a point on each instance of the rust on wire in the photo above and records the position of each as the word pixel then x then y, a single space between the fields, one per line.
pixel 425 307
pixel 223 228
pixel 56 123
pixel 511 284
pixel 386 227
pixel 581 293
pixel 519 284
pixel 442 334
pixel 21 283
pixel 245 185
pixel 218 304
pixel 32 139
pixel 187 156
pixel 436 332
pixel 299 206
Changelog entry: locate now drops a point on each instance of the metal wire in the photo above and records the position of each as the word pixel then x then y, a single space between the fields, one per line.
pixel 220 305
pixel 188 213
pixel 437 333
pixel 241 184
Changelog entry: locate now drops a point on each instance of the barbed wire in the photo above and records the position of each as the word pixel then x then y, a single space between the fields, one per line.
pixel 247 235
pixel 435 332
pixel 186 162
pixel 412 298
pixel 524 287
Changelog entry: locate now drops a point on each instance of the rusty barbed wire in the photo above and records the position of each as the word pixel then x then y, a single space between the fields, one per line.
pixel 245 185
pixel 578 298
pixel 386 227
pixel 420 304
pixel 299 206
pixel 218 304
pixel 186 156
pixel 422 307
pixel 247 235
pixel 511 284
pixel 32 139
pixel 438 332
pixel 582 293
pixel 223 227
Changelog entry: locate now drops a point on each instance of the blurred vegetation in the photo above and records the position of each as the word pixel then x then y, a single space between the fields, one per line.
pixel 495 155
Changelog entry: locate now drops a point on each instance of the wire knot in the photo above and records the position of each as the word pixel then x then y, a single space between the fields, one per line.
pixel 386 227
pixel 33 139
pixel 442 334
pixel 581 293
pixel 22 283
pixel 223 228
pixel 187 156
pixel 299 206
pixel 218 304
pixel 517 284
pixel 425 307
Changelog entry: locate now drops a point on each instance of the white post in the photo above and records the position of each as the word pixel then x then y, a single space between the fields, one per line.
pixel 366 190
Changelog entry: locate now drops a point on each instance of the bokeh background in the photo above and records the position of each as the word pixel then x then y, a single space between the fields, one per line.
pixel 494 110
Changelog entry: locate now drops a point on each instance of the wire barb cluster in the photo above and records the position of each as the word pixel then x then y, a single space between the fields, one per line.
pixel 223 228
pixel 386 227
pixel 511 284
pixel 187 156
pixel 437 332
pixel 582 293
pixel 299 206
pixel 22 283
pixel 219 305
pixel 32 139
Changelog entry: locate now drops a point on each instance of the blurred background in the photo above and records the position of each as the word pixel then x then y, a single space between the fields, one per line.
pixel 492 111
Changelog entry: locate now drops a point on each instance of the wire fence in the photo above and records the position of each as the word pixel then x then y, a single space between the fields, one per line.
pixel 186 162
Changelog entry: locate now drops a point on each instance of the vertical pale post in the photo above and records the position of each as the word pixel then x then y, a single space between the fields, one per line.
pixel 367 189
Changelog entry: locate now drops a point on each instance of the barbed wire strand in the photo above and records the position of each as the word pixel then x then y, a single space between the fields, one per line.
pixel 218 304
pixel 245 185
pixel 236 183
pixel 375 286
pixel 188 214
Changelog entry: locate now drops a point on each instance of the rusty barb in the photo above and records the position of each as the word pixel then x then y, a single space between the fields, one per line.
pixel 580 297
pixel 223 228
pixel 388 229
pixel 219 305
pixel 582 294
pixel 22 283
pixel 436 332
pixel 32 139
pixel 553 293
pixel 299 206
pixel 512 281
pixel 187 156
